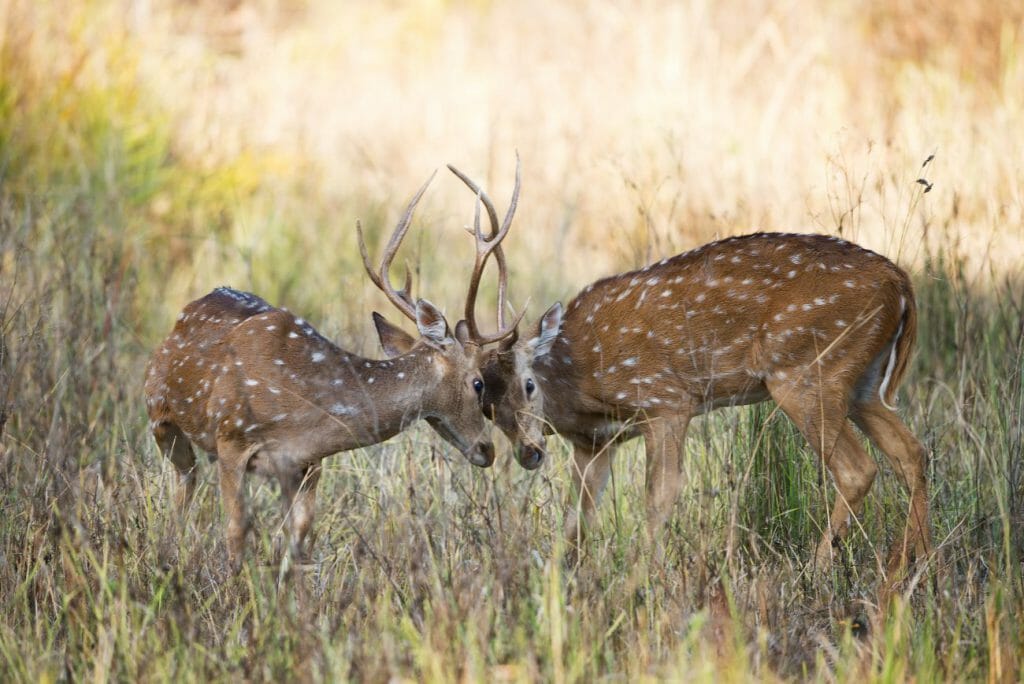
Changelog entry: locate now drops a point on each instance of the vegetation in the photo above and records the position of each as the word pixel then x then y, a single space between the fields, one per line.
pixel 152 151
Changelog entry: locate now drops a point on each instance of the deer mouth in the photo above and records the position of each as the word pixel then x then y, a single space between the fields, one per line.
pixel 481 454
pixel 530 456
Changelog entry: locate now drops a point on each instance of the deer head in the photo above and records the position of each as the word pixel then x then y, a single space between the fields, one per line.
pixel 456 356
pixel 510 398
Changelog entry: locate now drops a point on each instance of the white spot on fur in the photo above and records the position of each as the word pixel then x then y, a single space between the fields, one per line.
pixel 342 410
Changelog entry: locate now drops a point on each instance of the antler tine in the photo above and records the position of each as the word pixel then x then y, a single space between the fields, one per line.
pixel 484 247
pixel 499 254
pixel 481 196
pixel 402 299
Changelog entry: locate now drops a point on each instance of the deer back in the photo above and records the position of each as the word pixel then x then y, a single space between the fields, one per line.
pixel 712 324
pixel 236 368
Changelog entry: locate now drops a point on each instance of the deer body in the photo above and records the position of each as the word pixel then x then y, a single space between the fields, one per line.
pixel 259 389
pixel 820 325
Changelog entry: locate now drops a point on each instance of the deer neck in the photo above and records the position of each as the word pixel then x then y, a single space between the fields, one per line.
pixel 365 401
pixel 568 407
pixel 558 380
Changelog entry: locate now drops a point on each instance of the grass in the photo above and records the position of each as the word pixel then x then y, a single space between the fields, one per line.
pixel 161 154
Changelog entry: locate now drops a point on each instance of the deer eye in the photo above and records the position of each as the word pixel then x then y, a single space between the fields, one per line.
pixel 478 386
pixel 529 386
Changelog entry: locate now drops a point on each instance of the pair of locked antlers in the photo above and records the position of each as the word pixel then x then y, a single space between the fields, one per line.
pixel 485 246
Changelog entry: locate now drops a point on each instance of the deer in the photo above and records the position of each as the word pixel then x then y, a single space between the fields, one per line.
pixel 818 324
pixel 260 390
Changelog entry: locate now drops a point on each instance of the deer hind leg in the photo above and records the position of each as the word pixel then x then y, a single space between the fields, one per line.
pixel 822 421
pixel 909 459
pixel 590 471
pixel 663 441
pixel 298 490
pixel 177 448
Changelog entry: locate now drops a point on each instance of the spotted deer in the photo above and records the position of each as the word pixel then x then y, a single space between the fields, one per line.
pixel 259 389
pixel 822 326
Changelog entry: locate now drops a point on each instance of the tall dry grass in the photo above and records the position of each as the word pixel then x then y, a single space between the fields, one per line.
pixel 151 150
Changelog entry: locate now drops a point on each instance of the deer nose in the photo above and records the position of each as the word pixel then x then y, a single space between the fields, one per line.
pixel 482 455
pixel 530 457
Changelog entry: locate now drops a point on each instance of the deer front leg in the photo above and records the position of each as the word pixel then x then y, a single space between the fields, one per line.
pixel 175 446
pixel 590 471
pixel 298 489
pixel 663 440
pixel 232 472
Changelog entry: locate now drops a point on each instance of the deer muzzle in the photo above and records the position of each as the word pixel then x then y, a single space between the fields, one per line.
pixel 481 454
pixel 530 456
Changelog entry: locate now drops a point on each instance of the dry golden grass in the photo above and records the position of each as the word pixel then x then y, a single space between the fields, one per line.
pixel 643 129
pixel 153 149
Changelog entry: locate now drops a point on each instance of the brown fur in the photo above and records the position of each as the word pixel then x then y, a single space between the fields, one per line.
pixel 260 390
pixel 807 320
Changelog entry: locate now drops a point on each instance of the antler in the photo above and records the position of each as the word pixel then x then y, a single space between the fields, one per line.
pixel 484 247
pixel 400 298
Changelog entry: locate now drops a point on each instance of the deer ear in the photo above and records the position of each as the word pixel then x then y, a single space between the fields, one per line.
pixel 431 323
pixel 393 339
pixel 547 331
pixel 462 332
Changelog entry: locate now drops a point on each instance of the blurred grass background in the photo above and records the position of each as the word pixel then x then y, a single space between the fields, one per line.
pixel 151 150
